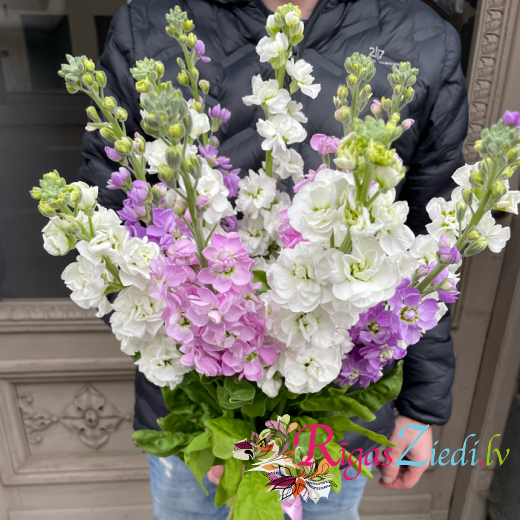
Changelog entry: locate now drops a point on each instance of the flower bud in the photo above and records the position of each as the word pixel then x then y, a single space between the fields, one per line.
pixel 214 141
pixel 476 179
pixel 410 92
pixel 192 40
pixel 376 108
pixel 180 207
pixel 160 68
pixel 343 114
pixel 176 131
pixel 74 193
pixel 93 115
pixel 107 134
pixel 203 202
pixel 204 86
pixel 124 145
pixel 461 211
pixel 193 166
pixel 352 80
pixel 141 86
pixel 36 193
pixel 89 65
pixel 498 191
pixel 407 124
pixel 183 78
pixel 342 92
pixel 139 143
pixel 166 174
pixel 395 117
pixel 183 40
pixel 109 103
pixel 46 209
pixel 181 64
pixel 188 25
pixel 72 89
pixel 88 79
pixel 467 195
pixel 122 114
pixel 476 247
pixel 194 73
pixel 159 190
pixel 473 234
pixel 101 78
pixel 174 156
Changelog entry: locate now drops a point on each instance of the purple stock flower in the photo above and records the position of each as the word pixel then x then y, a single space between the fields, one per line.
pixel 410 314
pixel 199 50
pixel 132 212
pixel 356 368
pixel 210 153
pixel 229 224
pixel 135 228
pixel 511 118
pixel 140 192
pixel 163 222
pixel 374 326
pixel 448 254
pixel 118 179
pixel 231 180
pixel 219 113
pixel 446 287
pixel 112 154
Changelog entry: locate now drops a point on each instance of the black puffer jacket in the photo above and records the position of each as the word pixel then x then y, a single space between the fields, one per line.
pixel 389 30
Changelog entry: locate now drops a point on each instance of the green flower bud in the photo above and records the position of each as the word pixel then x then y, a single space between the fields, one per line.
pixel 180 207
pixel 498 191
pixel 140 143
pixel 176 131
pixel 183 78
pixel 192 165
pixel 36 193
pixel 396 117
pixel 160 68
pixel 142 86
pixel 183 40
pixel 89 65
pixel 93 115
pixel 343 114
pixel 166 174
pixel 467 195
pixel 461 211
pixel 352 80
pixel 189 25
pixel 74 193
pixel 476 247
pixel 174 156
pixel 476 179
pixel 101 78
pixel 122 114
pixel 46 209
pixel 87 79
pixel 192 40
pixel 194 73
pixel 109 103
pixel 124 145
pixel 72 89
pixel 158 192
pixel 342 92
pixel 473 234
pixel 204 86
pixel 410 93
pixel 107 134
pixel 180 63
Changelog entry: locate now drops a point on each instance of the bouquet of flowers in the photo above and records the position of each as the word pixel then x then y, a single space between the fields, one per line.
pixel 280 312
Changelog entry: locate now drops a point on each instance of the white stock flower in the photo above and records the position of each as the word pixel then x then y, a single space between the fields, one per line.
pixel 424 249
pixel 280 131
pixel 137 314
pixel 253 235
pixel 270 381
pixel 315 209
pixel 135 262
pixel 257 191
pixel 301 74
pixel 394 237
pixel 311 370
pixel 89 195
pixel 160 362
pixel 299 330
pixel 289 164
pixel 268 48
pixel 155 155
pixel 109 240
pixel 364 277
pixel 294 109
pixel 55 241
pixel 292 18
pixel 509 203
pixel 496 235
pixel 87 284
pixel 388 177
pixel 269 94
pixel 299 278
pixel 211 185
pixel 444 218
pixel 271 215
pixel 200 122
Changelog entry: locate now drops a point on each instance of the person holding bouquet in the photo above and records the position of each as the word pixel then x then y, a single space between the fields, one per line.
pixel 389 32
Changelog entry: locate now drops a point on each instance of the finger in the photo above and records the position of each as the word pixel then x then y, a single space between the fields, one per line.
pixel 389 473
pixel 406 479
pixel 215 473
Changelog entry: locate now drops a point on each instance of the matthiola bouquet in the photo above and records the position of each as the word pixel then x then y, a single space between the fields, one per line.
pixel 280 312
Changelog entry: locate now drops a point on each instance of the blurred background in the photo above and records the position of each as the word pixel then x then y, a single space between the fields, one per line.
pixel 66 393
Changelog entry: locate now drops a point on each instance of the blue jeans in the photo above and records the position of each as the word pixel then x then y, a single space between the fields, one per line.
pixel 177 495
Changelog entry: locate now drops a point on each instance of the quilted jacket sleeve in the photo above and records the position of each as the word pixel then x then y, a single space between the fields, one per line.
pixel 429 367
pixel 115 61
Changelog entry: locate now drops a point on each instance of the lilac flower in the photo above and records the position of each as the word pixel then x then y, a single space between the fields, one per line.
pixel 511 118
pixel 231 180
pixel 163 222
pixel 140 192
pixel 448 254
pixel 164 275
pixel 219 113
pixel 288 234
pixel 324 144
pixel 183 252
pixel 113 155
pixel 410 314
pixel 135 228
pixel 308 178
pixel 199 50
pixel 446 287
pixel 374 326
pixel 119 179
pixel 229 224
pixel 356 368
pixel 132 212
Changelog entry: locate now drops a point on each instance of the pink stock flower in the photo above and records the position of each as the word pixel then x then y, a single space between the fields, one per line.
pixel 183 252
pixel 229 263
pixel 324 144
pixel 163 222
pixel 165 276
pixel 288 234
pixel 246 359
pixel 511 118
pixel 178 326
pixel 308 178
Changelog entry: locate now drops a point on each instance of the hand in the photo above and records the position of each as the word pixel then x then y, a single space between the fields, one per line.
pixel 405 477
pixel 215 473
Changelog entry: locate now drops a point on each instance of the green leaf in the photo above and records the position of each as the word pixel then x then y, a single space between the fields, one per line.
pixel 226 431
pixel 177 423
pixel 337 403
pixel 257 407
pixel 200 463
pixel 221 496
pixel 234 394
pixel 201 442
pixel 261 276
pixel 196 391
pixel 254 502
pixel 385 390
pixel 232 475
pixel 341 424
pixel 161 443
pixel 334 448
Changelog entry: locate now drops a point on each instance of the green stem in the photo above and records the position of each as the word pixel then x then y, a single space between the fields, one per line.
pixel 269 163
pixel 372 199
pixel 231 502
pixel 112 269
pixel 365 186
pixel 346 245
pixel 281 405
